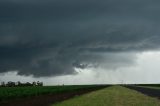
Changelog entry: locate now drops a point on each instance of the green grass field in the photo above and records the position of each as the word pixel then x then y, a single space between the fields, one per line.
pixel 152 87
pixel 7 93
pixel 111 96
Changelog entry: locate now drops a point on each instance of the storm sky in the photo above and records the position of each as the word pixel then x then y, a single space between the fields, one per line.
pixel 47 39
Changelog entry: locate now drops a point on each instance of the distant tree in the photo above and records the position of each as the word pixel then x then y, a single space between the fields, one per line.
pixel 19 83
pixel 39 83
pixel 34 83
pixel 11 84
pixel 3 84
pixel 28 84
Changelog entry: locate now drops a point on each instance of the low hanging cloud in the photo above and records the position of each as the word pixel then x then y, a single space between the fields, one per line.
pixel 50 38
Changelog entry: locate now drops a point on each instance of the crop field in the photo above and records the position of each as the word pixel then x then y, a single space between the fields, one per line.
pixel 93 95
pixel 7 93
pixel 112 96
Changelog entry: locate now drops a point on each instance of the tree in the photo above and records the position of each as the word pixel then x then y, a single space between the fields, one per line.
pixel 3 84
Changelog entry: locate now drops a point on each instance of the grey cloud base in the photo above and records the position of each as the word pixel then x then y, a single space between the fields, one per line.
pixel 50 38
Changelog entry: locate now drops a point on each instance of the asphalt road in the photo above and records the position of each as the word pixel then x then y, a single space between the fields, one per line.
pixel 147 91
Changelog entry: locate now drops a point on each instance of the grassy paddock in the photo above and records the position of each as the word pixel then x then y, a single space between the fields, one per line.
pixel 7 93
pixel 112 96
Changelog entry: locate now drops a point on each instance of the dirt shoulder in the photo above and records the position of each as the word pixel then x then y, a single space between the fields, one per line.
pixel 46 100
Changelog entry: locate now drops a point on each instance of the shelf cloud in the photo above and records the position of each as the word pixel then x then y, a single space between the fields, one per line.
pixel 53 37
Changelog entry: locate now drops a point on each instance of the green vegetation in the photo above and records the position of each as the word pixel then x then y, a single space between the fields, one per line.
pixel 152 87
pixel 7 93
pixel 112 96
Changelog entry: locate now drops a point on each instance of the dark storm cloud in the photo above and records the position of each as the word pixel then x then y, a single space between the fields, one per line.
pixel 52 37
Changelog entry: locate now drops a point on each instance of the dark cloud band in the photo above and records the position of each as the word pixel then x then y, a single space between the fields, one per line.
pixel 46 38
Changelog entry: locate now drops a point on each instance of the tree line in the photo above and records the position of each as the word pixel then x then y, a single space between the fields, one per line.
pixel 20 84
